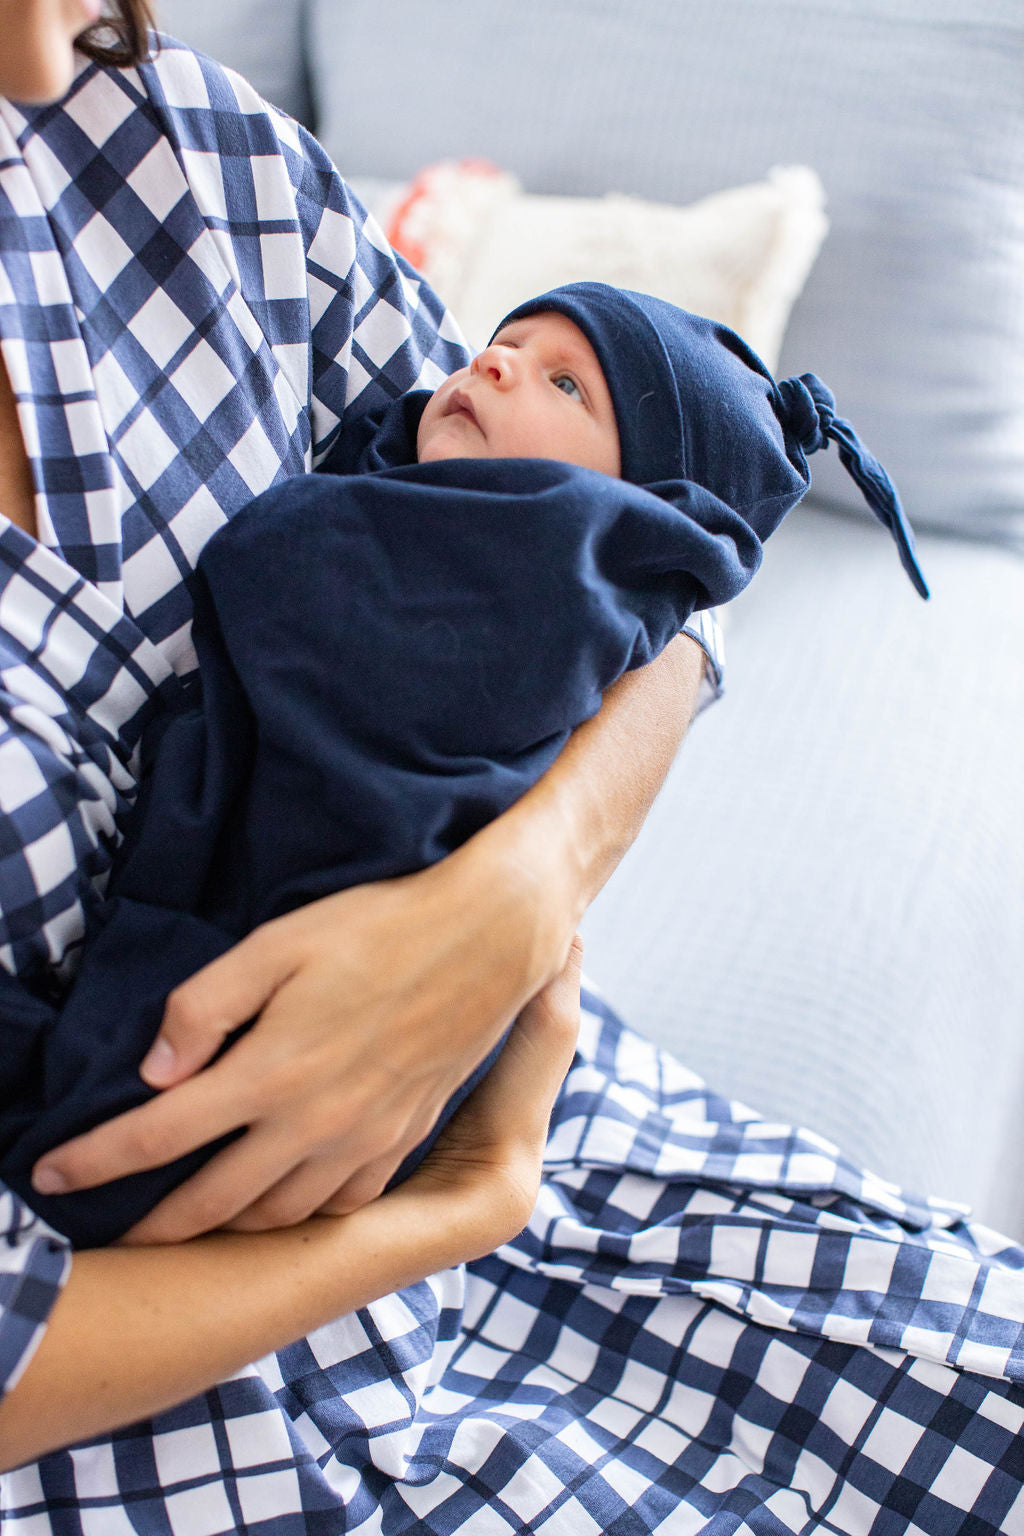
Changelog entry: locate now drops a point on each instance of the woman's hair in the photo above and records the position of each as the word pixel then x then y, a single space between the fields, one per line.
pixel 121 37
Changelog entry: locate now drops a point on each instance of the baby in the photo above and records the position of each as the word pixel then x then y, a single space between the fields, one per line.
pixel 390 655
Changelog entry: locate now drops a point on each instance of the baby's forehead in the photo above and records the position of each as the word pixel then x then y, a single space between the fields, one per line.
pixel 547 325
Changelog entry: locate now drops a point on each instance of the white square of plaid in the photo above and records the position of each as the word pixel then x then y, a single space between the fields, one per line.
pixel 85 427
pixel 379 1403
pixel 735 1251
pixel 151 573
pixel 293 359
pixel 102 252
pixel 197 522
pixel 202 380
pixel 182 1454
pixel 50 859
pixel 675 1428
pixel 853 1511
pixel 161 328
pixel 99 106
pixel 891 1440
pixel 181 76
pixel 869 1263
pixel 284 267
pixel 95 1471
pixel 1003 1295
pixel 146 450
pixel 575 1438
pixel 34 692
pixel 782 1371
pixel 19 189
pixel 204 174
pixel 265 1495
pixel 201 1512
pixel 640 1386
pixel 333 249
pixel 381 334
pixel 508 1323
pixel 71 365
pixel 628 1483
pixel 255 458
pixel 48 275
pixel 759 1167
pixel 257 1438
pixel 531 1490
pixel 157 180
pixel 950 1278
pixel 789 1257
pixel 20 776
pixel 814 1170
pixel 114 390
pixel 846 1410
pixel 275 196
pixel 961 1480
pixel 24 611
pixel 1009 1416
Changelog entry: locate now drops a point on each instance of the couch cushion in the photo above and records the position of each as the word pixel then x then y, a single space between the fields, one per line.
pixel 911 111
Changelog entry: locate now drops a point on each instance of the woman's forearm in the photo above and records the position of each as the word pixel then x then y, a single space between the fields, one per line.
pixel 137 1330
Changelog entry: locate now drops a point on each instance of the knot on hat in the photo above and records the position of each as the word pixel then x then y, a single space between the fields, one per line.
pixel 809 410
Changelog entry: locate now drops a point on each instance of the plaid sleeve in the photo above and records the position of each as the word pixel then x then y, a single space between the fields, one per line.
pixel 66 668
pixel 377 329
pixel 350 323
pixel 34 1263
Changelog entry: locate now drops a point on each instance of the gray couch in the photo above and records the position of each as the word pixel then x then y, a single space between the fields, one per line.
pixel 825 913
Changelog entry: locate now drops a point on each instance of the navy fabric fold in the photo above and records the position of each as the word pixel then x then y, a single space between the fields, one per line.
pixel 387 662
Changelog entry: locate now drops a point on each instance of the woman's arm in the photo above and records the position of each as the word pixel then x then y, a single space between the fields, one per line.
pixel 376 1003
pixel 137 1330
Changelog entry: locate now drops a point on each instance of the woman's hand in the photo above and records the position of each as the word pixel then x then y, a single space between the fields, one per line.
pixel 374 1005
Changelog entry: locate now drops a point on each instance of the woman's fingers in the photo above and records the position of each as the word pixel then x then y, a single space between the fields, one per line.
pixel 222 1190
pixel 203 1011
pixel 374 1176
pixel 190 1116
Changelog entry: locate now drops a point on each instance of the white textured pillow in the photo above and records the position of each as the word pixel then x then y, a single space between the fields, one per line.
pixel 740 256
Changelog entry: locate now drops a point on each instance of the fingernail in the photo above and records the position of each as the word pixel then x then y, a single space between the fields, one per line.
pixel 160 1062
pixel 48 1181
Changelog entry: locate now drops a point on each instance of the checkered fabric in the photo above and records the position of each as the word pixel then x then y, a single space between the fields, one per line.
pixel 711 1324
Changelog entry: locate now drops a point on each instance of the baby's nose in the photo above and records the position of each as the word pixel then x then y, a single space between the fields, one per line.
pixel 496 364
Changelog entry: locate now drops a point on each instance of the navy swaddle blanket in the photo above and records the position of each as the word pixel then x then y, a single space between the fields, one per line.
pixel 389 657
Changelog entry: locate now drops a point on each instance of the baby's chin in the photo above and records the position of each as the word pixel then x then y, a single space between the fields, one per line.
pixel 450 443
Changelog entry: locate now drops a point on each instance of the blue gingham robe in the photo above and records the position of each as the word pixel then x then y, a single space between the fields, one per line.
pixel 710 1324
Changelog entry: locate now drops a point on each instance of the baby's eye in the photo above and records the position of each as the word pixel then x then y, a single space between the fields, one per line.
pixel 566 383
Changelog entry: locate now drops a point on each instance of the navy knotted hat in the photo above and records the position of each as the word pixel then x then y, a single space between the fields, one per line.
pixel 698 411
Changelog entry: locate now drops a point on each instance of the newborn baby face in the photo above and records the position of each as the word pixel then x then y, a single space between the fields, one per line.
pixel 537 392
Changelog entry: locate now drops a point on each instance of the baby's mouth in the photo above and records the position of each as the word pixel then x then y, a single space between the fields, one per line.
pixel 460 404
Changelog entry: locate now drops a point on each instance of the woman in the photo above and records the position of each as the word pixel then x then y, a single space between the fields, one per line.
pixel 192 301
